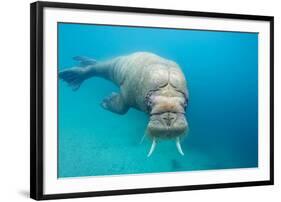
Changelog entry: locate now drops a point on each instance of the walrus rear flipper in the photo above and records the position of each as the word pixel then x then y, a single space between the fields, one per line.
pixel 84 61
pixel 73 76
pixel 76 75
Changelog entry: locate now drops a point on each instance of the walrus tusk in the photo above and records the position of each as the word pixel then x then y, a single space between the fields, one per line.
pixel 142 139
pixel 179 146
pixel 152 148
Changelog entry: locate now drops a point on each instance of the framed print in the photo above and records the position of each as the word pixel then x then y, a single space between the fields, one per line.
pixel 131 100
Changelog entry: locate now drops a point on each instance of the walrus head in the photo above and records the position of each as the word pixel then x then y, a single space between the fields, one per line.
pixel 167 109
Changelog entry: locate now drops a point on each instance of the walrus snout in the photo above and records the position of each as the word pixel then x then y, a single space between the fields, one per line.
pixel 167 117
pixel 167 125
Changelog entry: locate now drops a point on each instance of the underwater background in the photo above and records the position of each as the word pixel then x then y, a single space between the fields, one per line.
pixel 221 69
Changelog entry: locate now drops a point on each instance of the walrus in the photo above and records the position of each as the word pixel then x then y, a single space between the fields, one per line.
pixel 148 83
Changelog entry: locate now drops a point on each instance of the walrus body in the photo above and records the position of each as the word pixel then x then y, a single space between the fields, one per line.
pixel 148 83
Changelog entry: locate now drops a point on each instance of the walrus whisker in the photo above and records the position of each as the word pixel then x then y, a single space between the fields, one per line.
pixel 152 148
pixel 179 146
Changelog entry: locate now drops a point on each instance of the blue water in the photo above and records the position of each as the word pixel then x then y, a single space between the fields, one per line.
pixel 222 73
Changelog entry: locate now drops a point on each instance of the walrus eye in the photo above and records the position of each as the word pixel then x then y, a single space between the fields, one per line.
pixel 156 113
pixel 148 101
pixel 148 105
pixel 185 105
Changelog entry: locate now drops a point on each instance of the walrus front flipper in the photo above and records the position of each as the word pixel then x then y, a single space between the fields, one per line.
pixel 115 103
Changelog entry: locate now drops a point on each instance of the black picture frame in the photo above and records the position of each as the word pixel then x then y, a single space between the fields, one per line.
pixel 37 101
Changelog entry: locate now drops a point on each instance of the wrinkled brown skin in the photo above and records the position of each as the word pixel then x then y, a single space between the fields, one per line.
pixel 148 83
